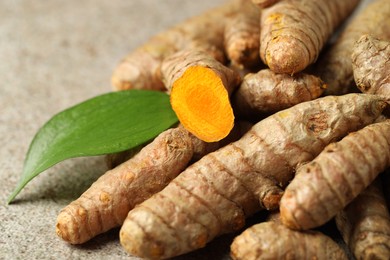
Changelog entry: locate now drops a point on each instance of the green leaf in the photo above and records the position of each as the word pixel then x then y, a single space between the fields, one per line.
pixel 109 123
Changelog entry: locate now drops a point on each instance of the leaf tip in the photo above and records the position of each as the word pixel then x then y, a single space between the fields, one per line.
pixel 14 193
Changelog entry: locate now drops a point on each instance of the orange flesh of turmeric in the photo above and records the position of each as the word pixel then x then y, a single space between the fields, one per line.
pixel 202 104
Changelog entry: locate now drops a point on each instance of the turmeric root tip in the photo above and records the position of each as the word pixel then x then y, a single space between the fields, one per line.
pixel 270 240
pixel 201 103
pixel 294 32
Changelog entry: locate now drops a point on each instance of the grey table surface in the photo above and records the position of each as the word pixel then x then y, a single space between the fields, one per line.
pixel 55 54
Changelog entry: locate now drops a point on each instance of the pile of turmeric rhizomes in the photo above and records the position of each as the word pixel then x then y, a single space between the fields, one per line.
pixel 269 121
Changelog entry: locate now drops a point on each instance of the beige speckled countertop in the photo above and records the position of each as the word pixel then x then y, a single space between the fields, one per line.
pixel 53 55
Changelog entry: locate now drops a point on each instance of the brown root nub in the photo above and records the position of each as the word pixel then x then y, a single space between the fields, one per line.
pixel 138 71
pixel 371 65
pixel 242 37
pixel 294 32
pixel 287 55
pixel 267 92
pixel 270 240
